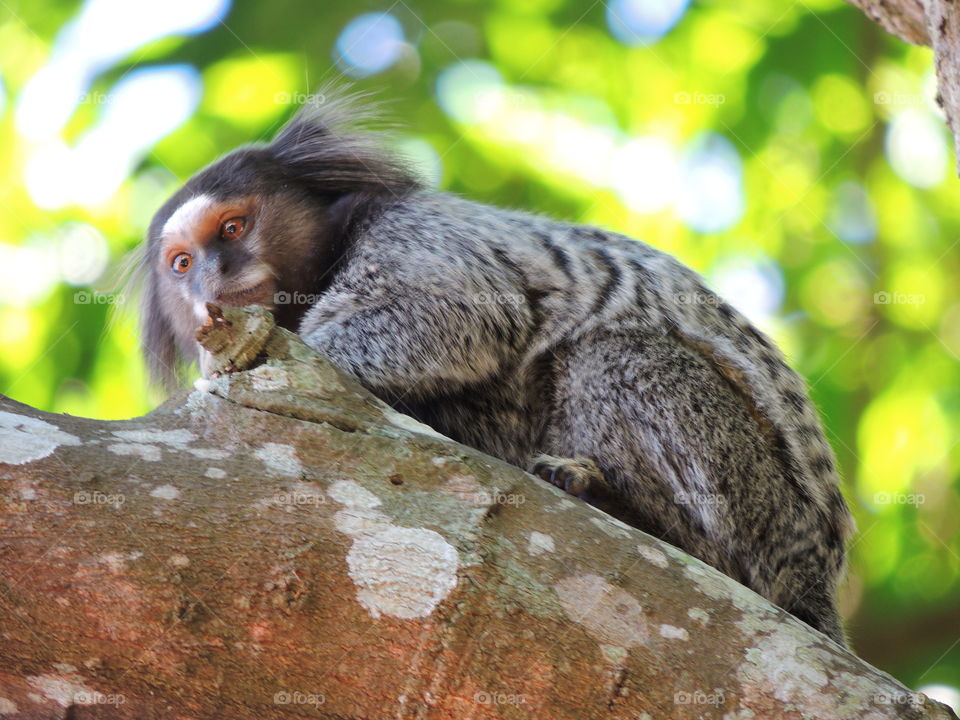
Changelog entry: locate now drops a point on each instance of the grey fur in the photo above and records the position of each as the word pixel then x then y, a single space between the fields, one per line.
pixel 519 336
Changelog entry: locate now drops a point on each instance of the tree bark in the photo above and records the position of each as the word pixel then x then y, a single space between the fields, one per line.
pixel 279 543
pixel 928 22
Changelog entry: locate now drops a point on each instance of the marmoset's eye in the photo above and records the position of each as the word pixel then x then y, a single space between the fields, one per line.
pixel 233 228
pixel 182 263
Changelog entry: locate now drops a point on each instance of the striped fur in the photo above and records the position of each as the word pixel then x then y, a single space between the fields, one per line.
pixel 479 321
pixel 520 335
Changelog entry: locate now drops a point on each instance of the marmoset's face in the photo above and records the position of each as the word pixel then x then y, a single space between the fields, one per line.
pixel 267 224
pixel 212 250
pixel 238 233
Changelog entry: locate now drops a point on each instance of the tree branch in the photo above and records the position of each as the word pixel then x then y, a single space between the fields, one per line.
pixel 928 22
pixel 280 543
pixel 906 18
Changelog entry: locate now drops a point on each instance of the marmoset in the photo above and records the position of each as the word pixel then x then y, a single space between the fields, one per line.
pixel 592 359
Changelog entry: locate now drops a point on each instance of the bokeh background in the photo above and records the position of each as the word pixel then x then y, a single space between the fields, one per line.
pixel 789 151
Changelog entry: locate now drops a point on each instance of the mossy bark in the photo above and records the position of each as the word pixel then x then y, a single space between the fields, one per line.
pixel 281 544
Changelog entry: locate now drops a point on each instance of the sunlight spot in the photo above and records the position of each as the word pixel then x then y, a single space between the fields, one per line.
pixel 641 22
pixel 711 177
pixel 423 159
pixel 916 148
pixel 646 174
pixel 947 694
pixel 369 44
pixel 83 254
pixel 27 274
pixel 852 217
pixel 468 92
pixel 104 32
pixel 141 109
pixel 752 286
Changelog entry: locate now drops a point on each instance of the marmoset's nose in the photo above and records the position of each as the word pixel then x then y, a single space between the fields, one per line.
pixel 206 275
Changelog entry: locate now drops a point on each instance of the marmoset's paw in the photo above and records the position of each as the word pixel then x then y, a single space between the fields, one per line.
pixel 573 475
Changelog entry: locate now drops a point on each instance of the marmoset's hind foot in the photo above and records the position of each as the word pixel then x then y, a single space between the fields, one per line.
pixel 573 475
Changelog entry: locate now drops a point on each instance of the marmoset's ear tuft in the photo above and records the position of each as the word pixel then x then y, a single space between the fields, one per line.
pixel 329 146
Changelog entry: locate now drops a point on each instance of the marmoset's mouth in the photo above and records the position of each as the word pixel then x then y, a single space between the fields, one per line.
pixel 259 294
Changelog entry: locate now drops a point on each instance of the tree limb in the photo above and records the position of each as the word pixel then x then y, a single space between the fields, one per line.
pixel 928 22
pixel 905 18
pixel 279 543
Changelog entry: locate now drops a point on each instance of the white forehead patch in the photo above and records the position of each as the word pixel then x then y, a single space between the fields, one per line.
pixel 188 215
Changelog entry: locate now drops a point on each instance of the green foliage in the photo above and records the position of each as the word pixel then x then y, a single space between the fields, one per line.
pixel 534 105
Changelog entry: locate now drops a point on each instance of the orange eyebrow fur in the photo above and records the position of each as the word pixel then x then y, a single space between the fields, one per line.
pixel 204 229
